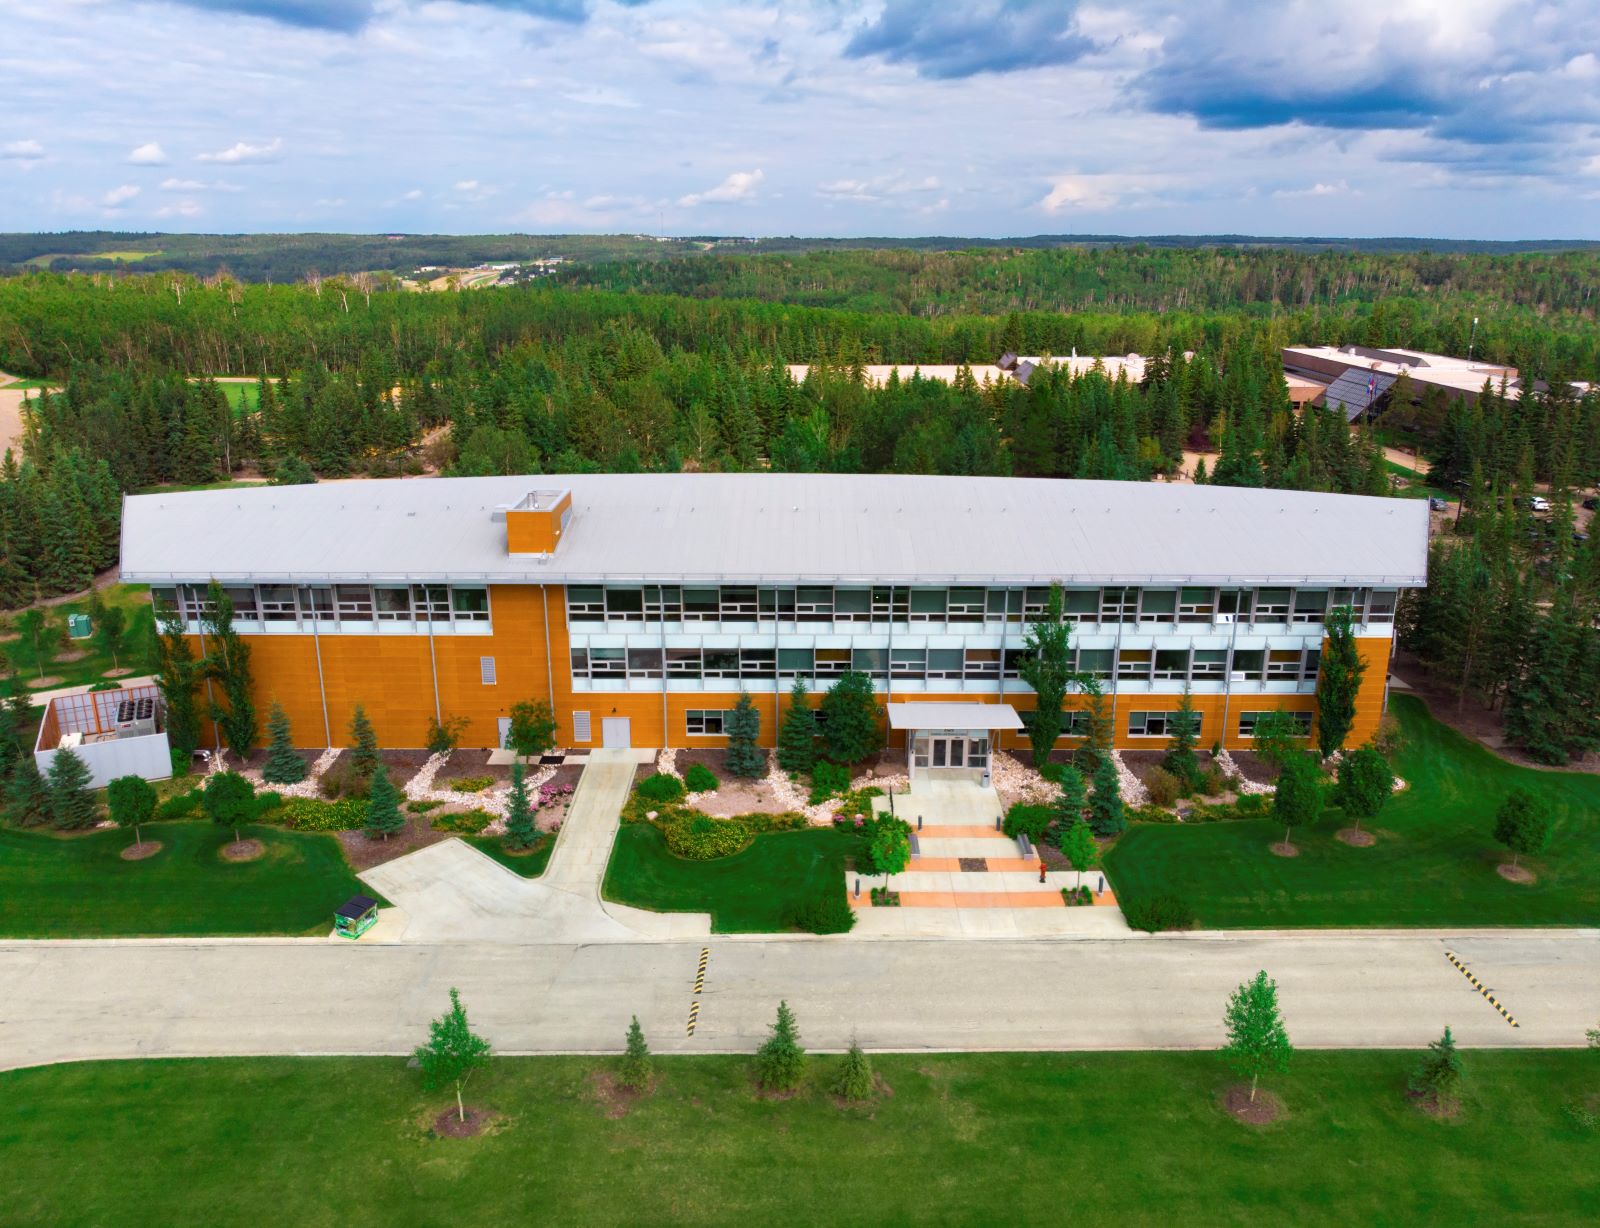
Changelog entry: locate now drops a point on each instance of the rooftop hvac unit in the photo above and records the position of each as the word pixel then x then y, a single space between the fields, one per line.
pixel 136 717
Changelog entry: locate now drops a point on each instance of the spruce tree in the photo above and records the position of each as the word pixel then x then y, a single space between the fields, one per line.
pixel 1181 760
pixel 283 766
pixel 1070 801
pixel 781 1062
pixel 636 1067
pixel 1098 733
pixel 850 719
pixel 1338 682
pixel 364 739
pixel 521 831
pixel 1437 1078
pixel 744 758
pixel 71 801
pixel 383 807
pixel 27 795
pixel 1105 804
pixel 797 736
pixel 855 1081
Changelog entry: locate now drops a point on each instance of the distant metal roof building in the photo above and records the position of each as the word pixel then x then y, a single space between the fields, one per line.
pixel 775 527
pixel 1356 391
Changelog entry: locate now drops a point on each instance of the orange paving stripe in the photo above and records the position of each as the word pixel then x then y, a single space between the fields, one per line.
pixel 999 865
pixel 935 865
pixel 958 831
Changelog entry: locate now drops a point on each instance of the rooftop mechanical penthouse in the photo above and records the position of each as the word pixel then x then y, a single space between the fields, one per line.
pixel 641 605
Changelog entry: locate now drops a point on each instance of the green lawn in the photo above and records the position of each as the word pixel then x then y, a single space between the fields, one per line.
pixel 1434 863
pixel 529 865
pixel 79 886
pixel 91 668
pixel 983 1139
pixel 32 385
pixel 752 891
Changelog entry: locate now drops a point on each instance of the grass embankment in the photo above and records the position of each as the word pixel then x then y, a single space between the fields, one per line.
pixel 529 865
pixel 80 887
pixel 1434 862
pixel 64 662
pixel 755 890
pixel 964 1139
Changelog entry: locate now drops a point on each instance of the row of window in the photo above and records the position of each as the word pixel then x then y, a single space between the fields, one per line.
pixel 671 603
pixel 713 722
pixel 333 604
pixel 945 664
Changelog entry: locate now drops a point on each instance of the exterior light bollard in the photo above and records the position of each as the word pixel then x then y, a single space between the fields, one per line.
pixel 1101 890
pixel 997 822
pixel 919 822
pixel 858 888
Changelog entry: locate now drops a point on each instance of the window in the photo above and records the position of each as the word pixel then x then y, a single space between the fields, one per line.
pixel 1080 605
pixel 277 603
pixel 1036 601
pixel 471 604
pixel 608 663
pixel 776 605
pixel 701 605
pixel 1012 666
pixel 1272 605
pixel 316 604
pixel 164 600
pixel 1075 724
pixel 1119 604
pixel 704 723
pixel 908 662
pixel 644 662
pixel 927 605
pixel 486 671
pixel 852 605
pixel 355 602
pixel 1134 663
pixel 580 662
pixel 244 602
pixel 1247 723
pixel 813 605
pixel 832 662
pixel 738 604
pixel 1234 604
pixel 585 603
pixel 580 727
pixel 966 605
pixel 1310 605
pixel 431 602
pixel 945 663
pixel 1248 664
pixel 1283 663
pixel 625 605
pixel 721 662
pixel 890 604
pixel 663 603
pixel 983 663
pixel 873 662
pixel 1380 605
pixel 1096 662
pixel 1313 662
pixel 794 663
pixel 1197 605
pixel 683 662
pixel 394 604
pixel 1158 605
pixel 755 662
pixel 1172 663
pixel 1159 724
pixel 1210 663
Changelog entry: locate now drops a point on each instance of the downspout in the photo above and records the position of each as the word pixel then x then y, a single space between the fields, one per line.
pixel 549 667
pixel 433 668
pixel 661 640
pixel 322 689
pixel 1227 668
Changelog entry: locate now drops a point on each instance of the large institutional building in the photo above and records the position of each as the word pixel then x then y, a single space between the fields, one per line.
pixel 641 606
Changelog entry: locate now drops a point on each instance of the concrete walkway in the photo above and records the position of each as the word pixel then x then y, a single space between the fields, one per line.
pixel 451 893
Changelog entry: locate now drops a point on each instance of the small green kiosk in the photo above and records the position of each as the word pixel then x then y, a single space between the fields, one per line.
pixel 355 916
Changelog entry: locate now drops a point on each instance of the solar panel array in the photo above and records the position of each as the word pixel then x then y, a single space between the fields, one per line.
pixel 1355 390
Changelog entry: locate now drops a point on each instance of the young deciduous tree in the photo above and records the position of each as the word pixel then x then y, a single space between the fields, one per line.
pixel 890 850
pixel 1079 847
pixel 1278 737
pixel 797 737
pixel 452 1053
pixel 109 630
pixel 1257 1040
pixel 1365 784
pixel 781 1062
pixel 744 757
pixel 1105 803
pixel 636 1067
pixel 228 662
pixel 1520 825
pixel 1046 665
pixel 855 1080
pixel 283 766
pixel 71 802
pixel 444 736
pixel 383 807
pixel 364 753
pixel 229 800
pixel 1298 800
pixel 533 728
pixel 132 801
pixel 520 829
pixel 850 719
pixel 1437 1078
pixel 31 630
pixel 1338 681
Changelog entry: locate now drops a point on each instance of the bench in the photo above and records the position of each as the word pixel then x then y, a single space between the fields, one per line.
pixel 1025 845
pixel 916 845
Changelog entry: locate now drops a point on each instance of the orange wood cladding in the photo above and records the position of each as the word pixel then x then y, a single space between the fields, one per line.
pixel 535 532
pixel 392 677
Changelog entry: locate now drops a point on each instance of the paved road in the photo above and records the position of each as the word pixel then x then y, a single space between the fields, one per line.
pixel 69 1000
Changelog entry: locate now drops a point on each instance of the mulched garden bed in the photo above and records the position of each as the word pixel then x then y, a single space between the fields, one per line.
pixel 1265 1109
pixel 242 850
pixel 449 1124
pixel 1355 839
pixel 1280 849
pixel 138 852
pixel 715 760
pixel 258 758
pixel 363 853
pixel 470 763
pixel 1515 874
pixel 1254 768
pixel 614 1099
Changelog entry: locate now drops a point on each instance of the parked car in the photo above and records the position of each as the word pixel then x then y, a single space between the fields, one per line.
pixel 1591 503
pixel 1539 503
pixel 1437 504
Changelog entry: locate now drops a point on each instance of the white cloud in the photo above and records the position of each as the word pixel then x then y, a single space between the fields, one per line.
pixel 180 208
pixel 466 185
pixel 243 151
pixel 600 96
pixel 197 185
pixel 413 194
pixel 739 186
pixel 149 154
pixel 22 151
pixel 1081 193
pixel 1337 188
pixel 119 196
pixel 870 191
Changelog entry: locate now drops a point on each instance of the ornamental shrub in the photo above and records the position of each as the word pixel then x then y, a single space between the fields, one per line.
pixel 828 780
pixel 346 778
pixel 469 784
pixel 465 822
pixel 1161 912
pixel 308 814
pixel 1031 820
pixel 1164 788
pixel 828 913
pixel 661 788
pixel 179 805
pixel 787 820
pixel 857 803
pixel 699 837
pixel 700 779
pixel 423 807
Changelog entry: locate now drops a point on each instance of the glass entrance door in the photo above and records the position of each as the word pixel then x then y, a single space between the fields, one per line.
pixel 949 752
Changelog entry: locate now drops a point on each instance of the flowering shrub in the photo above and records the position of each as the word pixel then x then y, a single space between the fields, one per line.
pixel 551 794
pixel 467 822
pixel 788 820
pixel 469 784
pixel 307 814
pixel 699 837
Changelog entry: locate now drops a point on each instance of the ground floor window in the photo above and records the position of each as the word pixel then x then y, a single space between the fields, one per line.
pixel 1158 724
pixel 1247 723
pixel 705 721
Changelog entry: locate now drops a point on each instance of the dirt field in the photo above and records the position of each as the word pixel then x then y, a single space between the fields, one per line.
pixel 10 417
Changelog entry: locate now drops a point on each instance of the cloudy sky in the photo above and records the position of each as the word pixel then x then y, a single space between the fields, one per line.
pixel 1461 118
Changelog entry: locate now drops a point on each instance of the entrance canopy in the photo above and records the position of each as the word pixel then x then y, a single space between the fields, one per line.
pixel 917 716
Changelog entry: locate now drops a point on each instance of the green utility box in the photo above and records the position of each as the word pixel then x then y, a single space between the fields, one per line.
pixel 79 627
pixel 355 916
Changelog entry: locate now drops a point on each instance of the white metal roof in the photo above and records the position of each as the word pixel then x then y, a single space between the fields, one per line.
pixel 755 527
pixel 953 716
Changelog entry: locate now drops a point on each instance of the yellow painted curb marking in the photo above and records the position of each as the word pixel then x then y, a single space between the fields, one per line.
pixel 1481 988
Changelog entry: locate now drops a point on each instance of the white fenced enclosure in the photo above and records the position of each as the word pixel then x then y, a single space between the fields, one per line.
pixel 116 733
